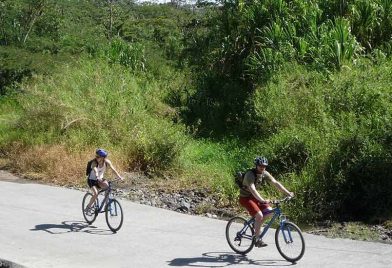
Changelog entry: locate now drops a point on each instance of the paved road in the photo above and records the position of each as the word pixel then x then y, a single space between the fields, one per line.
pixel 42 226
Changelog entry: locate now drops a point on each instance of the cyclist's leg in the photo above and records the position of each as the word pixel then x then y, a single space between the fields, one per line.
pixel 254 210
pixel 103 184
pixel 264 213
pixel 260 211
pixel 266 210
pixel 94 190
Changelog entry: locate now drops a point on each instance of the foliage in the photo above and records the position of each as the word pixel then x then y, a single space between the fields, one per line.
pixel 242 44
pixel 331 145
pixel 195 93
pixel 128 55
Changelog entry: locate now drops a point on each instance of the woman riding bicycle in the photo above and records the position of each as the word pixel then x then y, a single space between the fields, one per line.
pixel 95 179
pixel 250 198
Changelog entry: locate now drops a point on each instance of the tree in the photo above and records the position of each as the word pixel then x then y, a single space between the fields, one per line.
pixel 34 12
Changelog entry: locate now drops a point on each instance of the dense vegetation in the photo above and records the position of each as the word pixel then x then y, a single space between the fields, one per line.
pixel 193 93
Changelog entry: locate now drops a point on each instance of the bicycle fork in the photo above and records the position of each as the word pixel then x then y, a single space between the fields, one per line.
pixel 112 207
pixel 286 231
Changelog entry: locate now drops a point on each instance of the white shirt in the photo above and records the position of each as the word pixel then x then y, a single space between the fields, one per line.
pixel 101 171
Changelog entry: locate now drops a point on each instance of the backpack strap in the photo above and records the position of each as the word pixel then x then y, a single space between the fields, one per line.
pixel 254 171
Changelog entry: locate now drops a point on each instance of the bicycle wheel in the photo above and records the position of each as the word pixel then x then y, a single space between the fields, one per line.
pixel 239 235
pixel 290 241
pixel 89 218
pixel 114 215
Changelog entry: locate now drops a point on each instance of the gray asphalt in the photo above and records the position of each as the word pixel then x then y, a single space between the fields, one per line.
pixel 42 226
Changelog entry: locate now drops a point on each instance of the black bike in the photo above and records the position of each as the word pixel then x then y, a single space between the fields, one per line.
pixel 109 205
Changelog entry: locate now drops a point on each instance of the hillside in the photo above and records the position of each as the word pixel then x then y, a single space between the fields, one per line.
pixel 190 94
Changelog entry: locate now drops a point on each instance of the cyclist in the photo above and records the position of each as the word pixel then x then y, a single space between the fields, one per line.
pixel 95 179
pixel 250 198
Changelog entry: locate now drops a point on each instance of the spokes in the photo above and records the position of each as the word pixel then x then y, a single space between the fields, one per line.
pixel 290 242
pixel 114 215
pixel 239 235
pixel 88 214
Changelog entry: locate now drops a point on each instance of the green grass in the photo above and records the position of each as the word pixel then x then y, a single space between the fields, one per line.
pixel 352 230
pixel 317 132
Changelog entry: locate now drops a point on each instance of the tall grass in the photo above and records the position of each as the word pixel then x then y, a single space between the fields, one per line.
pixel 94 105
pixel 327 137
pixel 53 127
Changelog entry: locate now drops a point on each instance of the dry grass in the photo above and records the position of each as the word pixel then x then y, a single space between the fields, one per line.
pixel 54 163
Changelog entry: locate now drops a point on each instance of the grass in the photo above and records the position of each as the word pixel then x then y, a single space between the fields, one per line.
pixel 348 230
pixel 315 142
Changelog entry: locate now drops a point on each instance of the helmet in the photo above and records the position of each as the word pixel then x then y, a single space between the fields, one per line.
pixel 101 152
pixel 261 161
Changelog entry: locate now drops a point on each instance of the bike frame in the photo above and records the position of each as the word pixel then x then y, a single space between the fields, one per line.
pixel 277 213
pixel 105 200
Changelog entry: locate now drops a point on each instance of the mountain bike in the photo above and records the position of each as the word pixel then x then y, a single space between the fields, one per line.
pixel 288 236
pixel 108 205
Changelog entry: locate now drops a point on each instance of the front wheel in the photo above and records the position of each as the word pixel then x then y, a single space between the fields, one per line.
pixel 114 215
pixel 90 215
pixel 239 235
pixel 290 241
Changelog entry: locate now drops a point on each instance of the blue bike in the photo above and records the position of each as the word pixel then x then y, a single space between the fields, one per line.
pixel 288 236
pixel 109 205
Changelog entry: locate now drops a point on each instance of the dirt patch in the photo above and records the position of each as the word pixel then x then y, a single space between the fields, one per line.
pixel 141 189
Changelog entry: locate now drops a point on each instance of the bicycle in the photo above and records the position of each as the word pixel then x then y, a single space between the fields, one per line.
pixel 110 206
pixel 288 236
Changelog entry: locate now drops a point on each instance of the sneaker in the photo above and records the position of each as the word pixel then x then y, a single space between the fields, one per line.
pixel 260 244
pixel 88 211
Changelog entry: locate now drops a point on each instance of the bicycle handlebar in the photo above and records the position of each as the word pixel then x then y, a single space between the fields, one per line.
pixel 277 202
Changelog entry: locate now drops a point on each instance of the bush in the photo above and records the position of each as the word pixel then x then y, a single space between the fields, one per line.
pixel 356 179
pixel 290 155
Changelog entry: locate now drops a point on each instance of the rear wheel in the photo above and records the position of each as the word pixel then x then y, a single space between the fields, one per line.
pixel 89 217
pixel 239 235
pixel 290 241
pixel 114 215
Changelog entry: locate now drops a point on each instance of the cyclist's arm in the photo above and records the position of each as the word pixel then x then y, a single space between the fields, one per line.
pixel 278 185
pixel 112 168
pixel 255 193
pixel 96 172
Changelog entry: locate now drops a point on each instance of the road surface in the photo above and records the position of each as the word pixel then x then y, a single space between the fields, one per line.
pixel 42 226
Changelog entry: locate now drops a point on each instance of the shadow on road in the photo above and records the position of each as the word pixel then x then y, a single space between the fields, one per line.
pixel 222 259
pixel 71 227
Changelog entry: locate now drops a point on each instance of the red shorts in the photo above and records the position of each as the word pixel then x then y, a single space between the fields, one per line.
pixel 253 206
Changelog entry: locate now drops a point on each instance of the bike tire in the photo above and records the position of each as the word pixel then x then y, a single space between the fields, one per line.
pixel 114 215
pixel 86 199
pixel 296 244
pixel 240 243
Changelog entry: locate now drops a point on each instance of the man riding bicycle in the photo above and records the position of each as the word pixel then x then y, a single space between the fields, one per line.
pixel 250 198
